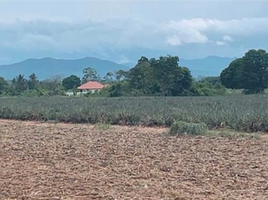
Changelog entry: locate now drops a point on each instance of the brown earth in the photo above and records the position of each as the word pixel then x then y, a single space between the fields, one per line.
pixel 67 161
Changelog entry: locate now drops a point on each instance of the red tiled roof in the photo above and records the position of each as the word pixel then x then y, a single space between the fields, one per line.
pixel 91 85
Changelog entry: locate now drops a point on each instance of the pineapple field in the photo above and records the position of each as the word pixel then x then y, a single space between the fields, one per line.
pixel 248 113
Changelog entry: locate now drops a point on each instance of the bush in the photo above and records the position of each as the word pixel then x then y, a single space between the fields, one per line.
pixel 207 89
pixel 180 127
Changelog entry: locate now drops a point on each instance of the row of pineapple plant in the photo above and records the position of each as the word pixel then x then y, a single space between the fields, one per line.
pixel 240 113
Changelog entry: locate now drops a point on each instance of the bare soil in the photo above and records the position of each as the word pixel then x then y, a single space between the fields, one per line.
pixel 68 161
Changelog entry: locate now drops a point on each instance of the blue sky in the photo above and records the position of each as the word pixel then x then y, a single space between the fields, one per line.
pixel 123 31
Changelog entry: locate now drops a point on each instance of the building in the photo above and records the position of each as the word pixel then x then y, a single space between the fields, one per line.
pixel 91 86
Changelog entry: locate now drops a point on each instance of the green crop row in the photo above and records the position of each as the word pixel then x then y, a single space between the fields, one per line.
pixel 237 112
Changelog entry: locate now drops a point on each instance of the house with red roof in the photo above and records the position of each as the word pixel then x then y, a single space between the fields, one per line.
pixel 91 86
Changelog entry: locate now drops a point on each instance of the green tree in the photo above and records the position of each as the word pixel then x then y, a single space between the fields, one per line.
pixel 121 75
pixel 52 86
pixel 115 90
pixel 159 76
pixel 141 77
pixel 20 84
pixel 109 77
pixel 249 72
pixel 3 85
pixel 90 74
pixel 255 71
pixel 182 82
pixel 32 82
pixel 171 78
pixel 211 79
pixel 231 76
pixel 201 88
pixel 71 82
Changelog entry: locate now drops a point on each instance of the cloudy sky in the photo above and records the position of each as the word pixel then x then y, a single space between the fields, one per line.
pixel 123 31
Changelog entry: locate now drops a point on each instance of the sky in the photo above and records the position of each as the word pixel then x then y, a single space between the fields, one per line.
pixel 123 31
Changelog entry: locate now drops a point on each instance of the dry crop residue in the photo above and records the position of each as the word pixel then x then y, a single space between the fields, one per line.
pixel 65 161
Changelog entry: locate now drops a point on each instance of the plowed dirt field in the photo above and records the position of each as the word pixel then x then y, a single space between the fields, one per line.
pixel 66 161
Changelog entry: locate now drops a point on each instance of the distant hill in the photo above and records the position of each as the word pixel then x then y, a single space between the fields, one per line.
pixel 209 66
pixel 48 67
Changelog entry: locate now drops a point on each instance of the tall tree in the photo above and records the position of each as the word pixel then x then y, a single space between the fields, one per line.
pixel 161 75
pixel 52 85
pixel 141 77
pixel 19 83
pixel 171 78
pixel 109 77
pixel 231 76
pixel 249 72
pixel 121 74
pixel 71 82
pixel 90 74
pixel 3 85
pixel 255 71
pixel 182 82
pixel 33 81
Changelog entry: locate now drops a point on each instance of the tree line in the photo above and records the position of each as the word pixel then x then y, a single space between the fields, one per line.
pixel 160 77
pixel 152 77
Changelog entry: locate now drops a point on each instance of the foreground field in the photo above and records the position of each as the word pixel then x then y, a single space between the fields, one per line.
pixel 65 161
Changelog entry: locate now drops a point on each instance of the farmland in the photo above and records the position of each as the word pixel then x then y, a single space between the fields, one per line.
pixel 73 148
pixel 79 161
pixel 240 113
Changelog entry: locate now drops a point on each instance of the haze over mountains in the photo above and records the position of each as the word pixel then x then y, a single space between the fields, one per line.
pixel 48 67
pixel 122 31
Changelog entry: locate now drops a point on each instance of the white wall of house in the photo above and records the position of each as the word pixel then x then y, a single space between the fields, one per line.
pixel 81 92
pixel 69 93
pixel 88 91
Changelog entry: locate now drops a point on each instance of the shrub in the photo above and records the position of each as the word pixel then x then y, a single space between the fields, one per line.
pixel 180 127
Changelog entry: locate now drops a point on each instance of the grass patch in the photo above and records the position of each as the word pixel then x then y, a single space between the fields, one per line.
pixel 233 134
pixel 102 126
pixel 183 128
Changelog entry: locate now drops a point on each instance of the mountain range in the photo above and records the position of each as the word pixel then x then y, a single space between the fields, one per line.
pixel 49 67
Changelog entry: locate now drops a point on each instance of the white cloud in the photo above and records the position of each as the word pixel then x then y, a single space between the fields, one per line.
pixel 227 38
pixel 105 36
pixel 199 30
pixel 220 43
pixel 187 36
